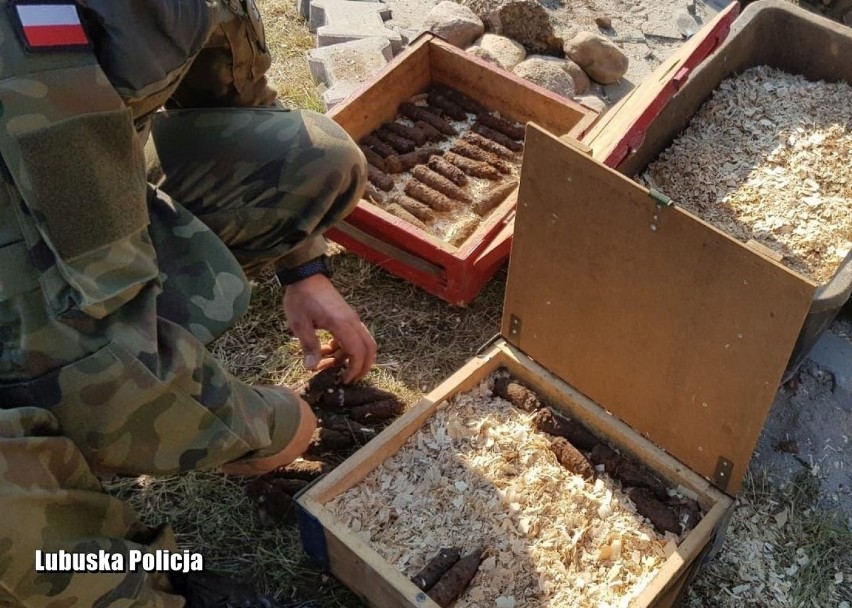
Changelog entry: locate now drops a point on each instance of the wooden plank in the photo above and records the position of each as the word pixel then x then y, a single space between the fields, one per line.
pixel 677 329
pixel 362 569
pixel 515 98
pixel 606 426
pixel 687 552
pixel 377 101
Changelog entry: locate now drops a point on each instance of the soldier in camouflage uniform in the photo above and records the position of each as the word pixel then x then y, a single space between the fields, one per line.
pixel 110 288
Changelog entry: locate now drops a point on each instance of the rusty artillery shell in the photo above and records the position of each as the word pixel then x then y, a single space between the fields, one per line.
pixel 476 153
pixel 663 518
pixel 307 470
pixel 405 162
pixel 451 586
pixel 287 486
pixel 380 179
pixel 413 133
pixel 626 471
pixel 414 112
pixel 501 125
pixel 450 171
pixel 464 230
pixel 422 212
pixel 440 183
pixel 687 510
pixel 373 158
pixel 372 194
pixel 472 167
pixel 470 105
pixel 452 109
pixel 431 133
pixel 488 145
pixel 397 142
pixel 571 458
pixel 420 191
pixel 401 213
pixel 351 396
pixel 494 196
pixel 551 423
pixel 501 139
pixel 517 394
pixel 378 146
pixel 329 440
pixel 342 424
pixel 436 567
pixel 320 382
pixel 377 411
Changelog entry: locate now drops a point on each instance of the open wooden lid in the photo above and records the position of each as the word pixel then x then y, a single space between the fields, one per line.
pixel 666 322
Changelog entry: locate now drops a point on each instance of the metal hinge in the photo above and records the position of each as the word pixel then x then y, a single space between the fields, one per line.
pixel 722 476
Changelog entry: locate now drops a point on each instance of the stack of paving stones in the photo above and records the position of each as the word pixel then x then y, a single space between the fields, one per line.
pixel 352 43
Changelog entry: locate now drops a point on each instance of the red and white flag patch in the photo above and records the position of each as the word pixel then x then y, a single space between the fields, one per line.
pixel 50 26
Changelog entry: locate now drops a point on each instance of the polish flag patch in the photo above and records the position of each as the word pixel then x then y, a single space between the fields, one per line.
pixel 45 26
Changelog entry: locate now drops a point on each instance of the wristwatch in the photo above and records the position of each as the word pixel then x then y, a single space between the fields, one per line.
pixel 318 265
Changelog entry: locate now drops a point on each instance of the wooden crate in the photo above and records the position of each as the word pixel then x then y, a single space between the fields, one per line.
pixel 455 274
pixel 662 335
pixel 633 133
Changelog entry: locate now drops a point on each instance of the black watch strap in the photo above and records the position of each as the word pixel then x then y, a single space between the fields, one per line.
pixel 319 265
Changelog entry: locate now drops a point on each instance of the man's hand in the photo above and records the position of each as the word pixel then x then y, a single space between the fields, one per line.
pixel 313 304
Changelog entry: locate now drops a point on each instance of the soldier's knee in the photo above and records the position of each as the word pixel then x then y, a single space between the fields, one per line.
pixel 342 162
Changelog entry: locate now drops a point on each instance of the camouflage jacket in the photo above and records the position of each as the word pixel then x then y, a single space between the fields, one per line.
pixel 144 54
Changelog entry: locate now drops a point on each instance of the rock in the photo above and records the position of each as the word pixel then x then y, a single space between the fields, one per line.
pixel 548 72
pixel 581 80
pixel 506 51
pixel 593 103
pixel 686 23
pixel 601 59
pixel 525 21
pixel 484 54
pixel 604 22
pixel 456 23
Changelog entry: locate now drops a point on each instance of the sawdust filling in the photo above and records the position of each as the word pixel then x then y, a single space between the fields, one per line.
pixel 479 474
pixel 768 158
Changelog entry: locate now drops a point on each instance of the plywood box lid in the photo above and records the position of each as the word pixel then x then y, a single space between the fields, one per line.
pixel 667 323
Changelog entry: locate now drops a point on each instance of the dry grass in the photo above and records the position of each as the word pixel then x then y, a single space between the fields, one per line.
pixel 422 340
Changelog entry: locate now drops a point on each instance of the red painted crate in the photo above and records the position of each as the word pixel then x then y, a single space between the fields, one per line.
pixel 456 274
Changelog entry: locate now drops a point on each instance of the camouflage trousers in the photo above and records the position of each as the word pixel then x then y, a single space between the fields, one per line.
pixel 136 391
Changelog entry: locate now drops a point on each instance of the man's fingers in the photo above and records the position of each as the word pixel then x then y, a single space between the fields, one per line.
pixel 307 336
pixel 360 348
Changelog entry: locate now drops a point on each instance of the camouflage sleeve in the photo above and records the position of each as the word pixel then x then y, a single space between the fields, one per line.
pixel 231 68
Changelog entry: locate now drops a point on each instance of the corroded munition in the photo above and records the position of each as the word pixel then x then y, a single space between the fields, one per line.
pixel 663 518
pixel 450 586
pixel 476 153
pixel 453 110
pixel 414 112
pixel 405 162
pixel 488 145
pixel 436 567
pixel 440 183
pixel 422 212
pixel 571 458
pixel 448 170
pixel 373 158
pixel 372 194
pixel 553 424
pixel 433 198
pixel 464 229
pixel 401 213
pixel 494 196
pixel 517 394
pixel 431 133
pixel 472 167
pixel 413 133
pixel 397 142
pixel 470 105
pixel 377 411
pixel 378 146
pixel 512 130
pixel 490 133
pixel 381 180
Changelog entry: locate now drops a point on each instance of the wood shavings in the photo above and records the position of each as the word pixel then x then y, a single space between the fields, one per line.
pixel 767 158
pixel 479 473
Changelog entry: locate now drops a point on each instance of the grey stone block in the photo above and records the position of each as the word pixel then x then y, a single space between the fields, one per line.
pixel 834 354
